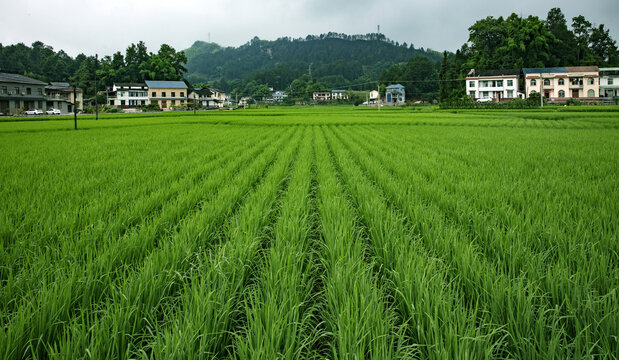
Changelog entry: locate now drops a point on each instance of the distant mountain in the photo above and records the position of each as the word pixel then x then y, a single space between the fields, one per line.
pixel 333 59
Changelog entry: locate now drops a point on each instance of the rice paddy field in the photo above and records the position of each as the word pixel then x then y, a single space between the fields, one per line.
pixel 311 233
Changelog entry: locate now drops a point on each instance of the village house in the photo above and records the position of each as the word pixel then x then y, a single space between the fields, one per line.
pixel 497 85
pixel 167 94
pixel 60 96
pixel 563 83
pixel 128 95
pixel 18 92
pixel 609 82
pixel 395 95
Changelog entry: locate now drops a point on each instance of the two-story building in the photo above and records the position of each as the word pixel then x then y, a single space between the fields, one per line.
pixel 167 94
pixel 395 95
pixel 562 83
pixel 609 82
pixel 18 92
pixel 497 85
pixel 60 95
pixel 128 95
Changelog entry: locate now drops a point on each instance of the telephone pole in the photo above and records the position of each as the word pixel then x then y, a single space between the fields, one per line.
pixel 96 103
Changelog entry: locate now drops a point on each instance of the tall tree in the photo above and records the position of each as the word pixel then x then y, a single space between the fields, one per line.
pixel 565 50
pixel 582 30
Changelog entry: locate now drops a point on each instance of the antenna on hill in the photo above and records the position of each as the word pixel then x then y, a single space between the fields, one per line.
pixel 379 29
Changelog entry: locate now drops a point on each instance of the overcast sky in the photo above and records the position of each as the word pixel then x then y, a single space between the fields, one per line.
pixel 104 27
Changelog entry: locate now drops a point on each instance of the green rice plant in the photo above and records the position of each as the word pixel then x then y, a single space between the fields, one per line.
pixel 280 311
pixel 211 304
pixel 360 323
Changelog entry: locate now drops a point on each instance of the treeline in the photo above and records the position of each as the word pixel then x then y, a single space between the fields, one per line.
pixel 516 42
pixel 41 62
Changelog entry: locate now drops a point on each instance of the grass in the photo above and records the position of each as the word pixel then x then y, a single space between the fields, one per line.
pixel 326 232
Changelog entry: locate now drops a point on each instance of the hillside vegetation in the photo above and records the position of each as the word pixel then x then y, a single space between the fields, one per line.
pixel 336 60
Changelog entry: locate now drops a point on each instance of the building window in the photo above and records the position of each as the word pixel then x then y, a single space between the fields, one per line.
pixel 472 84
pixel 499 83
pixel 591 93
pixel 28 91
pixel 154 94
pixel 40 91
pixel 533 82
pixel 163 94
pixel 173 102
pixel 472 93
pixel 591 81
pixel 122 102
pixel 510 93
pixel 485 94
pixel 510 82
pixel 5 90
pixel 111 102
pixel 561 82
pixel 173 94
pixel 16 90
pixel 561 93
pixel 182 94
pixel 546 82
pixel 610 82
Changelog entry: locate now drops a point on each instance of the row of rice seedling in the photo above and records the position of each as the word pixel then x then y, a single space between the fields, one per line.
pixel 92 266
pixel 358 320
pixel 503 224
pixel 211 304
pixel 564 234
pixel 74 305
pixel 417 183
pixel 280 309
pixel 436 317
pixel 155 212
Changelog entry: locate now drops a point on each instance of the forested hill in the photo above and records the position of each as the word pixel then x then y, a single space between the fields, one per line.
pixel 335 59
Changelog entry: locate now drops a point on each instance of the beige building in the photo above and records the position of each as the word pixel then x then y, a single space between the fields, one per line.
pixel 562 83
pixel 167 94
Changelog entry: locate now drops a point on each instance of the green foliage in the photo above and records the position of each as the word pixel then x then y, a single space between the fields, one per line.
pixel 149 107
pixel 419 76
pixel 337 60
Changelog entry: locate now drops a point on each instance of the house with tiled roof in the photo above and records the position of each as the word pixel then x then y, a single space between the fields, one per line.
pixel 563 83
pixel 167 94
pixel 19 92
pixel 60 95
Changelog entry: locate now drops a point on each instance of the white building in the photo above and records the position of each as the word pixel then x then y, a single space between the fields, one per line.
pixel 128 95
pixel 497 85
pixel 609 82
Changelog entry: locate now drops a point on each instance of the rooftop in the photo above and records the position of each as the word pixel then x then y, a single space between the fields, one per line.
pixel 512 72
pixel 396 86
pixel 19 79
pixel 166 84
pixel 556 70
pixel 582 68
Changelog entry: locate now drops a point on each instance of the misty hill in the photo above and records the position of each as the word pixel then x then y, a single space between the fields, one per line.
pixel 335 59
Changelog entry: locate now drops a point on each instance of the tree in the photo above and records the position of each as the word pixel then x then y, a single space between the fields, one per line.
pixel 167 64
pixel 582 29
pixel 565 50
pixel 603 47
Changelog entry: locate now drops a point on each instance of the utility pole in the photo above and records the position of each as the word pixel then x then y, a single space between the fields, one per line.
pixel 378 100
pixel 75 106
pixel 96 104
pixel 541 90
